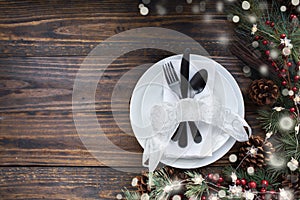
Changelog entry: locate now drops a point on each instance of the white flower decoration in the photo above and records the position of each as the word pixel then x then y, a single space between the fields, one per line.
pixel 268 135
pixel 233 177
pixel 297 99
pixel 286 42
pixel 198 179
pixel 236 190
pixel 278 109
pixel 285 195
pixel 213 197
pixel 293 164
pixel 252 151
pixel 254 29
pixel 248 195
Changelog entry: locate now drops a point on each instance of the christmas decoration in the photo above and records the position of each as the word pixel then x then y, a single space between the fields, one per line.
pixel 292 182
pixel 263 92
pixel 141 182
pixel 255 152
pixel 268 41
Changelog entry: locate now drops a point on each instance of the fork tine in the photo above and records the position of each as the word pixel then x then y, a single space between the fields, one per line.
pixel 166 74
pixel 170 74
pixel 174 73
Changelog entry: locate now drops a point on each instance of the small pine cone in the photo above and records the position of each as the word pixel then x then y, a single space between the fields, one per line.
pixel 141 182
pixel 263 92
pixel 292 182
pixel 261 156
pixel 175 174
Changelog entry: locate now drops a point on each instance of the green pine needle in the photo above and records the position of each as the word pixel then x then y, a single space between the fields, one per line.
pixel 195 190
pixel 129 195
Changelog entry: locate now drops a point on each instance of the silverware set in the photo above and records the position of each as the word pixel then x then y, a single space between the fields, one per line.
pixel 185 89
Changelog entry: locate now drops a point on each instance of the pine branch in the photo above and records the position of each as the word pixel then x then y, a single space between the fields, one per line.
pixel 131 195
pixel 193 189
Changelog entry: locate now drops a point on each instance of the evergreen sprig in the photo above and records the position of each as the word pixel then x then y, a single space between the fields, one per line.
pixel 160 180
pixel 193 189
pixel 130 195
pixel 288 144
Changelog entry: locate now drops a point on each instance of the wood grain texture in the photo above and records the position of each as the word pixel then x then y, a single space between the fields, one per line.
pixel 73 29
pixel 37 126
pixel 62 183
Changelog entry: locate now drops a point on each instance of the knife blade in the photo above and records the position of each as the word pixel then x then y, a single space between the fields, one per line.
pixel 184 71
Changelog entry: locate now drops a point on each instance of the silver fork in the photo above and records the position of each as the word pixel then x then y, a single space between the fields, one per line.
pixel 172 78
pixel 174 84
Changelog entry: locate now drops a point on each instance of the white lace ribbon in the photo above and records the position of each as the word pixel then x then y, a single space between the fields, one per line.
pixel 166 117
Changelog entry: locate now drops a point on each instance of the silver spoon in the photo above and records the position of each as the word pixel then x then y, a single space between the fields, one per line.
pixel 197 83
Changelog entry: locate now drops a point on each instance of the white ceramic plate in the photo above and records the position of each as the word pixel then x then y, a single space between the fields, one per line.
pixel 149 92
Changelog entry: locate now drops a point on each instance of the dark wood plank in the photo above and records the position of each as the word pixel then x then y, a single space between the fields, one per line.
pixel 37 126
pixel 54 29
pixel 62 183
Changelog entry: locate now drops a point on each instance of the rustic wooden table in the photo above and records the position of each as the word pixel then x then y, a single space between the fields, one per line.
pixel 42 45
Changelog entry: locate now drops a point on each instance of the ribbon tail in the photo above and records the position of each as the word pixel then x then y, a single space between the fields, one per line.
pixel 151 158
pixel 237 129
pixel 155 147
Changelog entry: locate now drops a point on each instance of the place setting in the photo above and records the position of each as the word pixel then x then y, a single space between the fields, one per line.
pixel 187 111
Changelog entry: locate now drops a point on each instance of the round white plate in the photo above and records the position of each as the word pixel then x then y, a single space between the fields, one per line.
pixel 149 92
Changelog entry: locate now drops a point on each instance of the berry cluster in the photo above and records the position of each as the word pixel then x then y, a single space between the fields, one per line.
pixel 286 68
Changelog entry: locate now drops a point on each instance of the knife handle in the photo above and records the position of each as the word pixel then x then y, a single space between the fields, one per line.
pixel 183 137
pixel 178 132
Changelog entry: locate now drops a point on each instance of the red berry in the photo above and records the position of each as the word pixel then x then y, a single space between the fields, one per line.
pixel 221 180
pixel 283 70
pixel 292 109
pixel 243 181
pixel 264 183
pixel 263 190
pixel 298 63
pixel 295 89
pixel 272 24
pixel 282 36
pixel 210 176
pixel 238 182
pixel 296 78
pixel 273 64
pixel 252 185
pixel 289 64
pixel 284 83
pixel 256 38
pixel 265 42
pixel 293 16
pixel 203 198
pixel 267 52
pixel 268 22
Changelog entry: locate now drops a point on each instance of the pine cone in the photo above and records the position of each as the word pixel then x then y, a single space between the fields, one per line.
pixel 260 157
pixel 292 182
pixel 176 174
pixel 141 182
pixel 263 92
